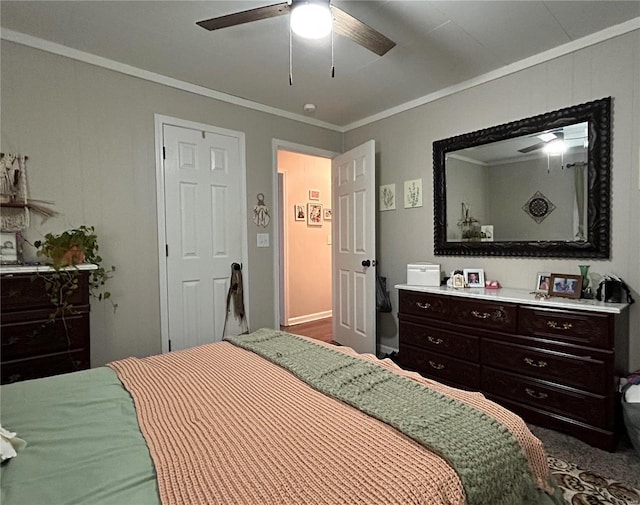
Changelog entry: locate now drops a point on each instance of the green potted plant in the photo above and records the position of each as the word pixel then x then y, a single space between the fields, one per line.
pixel 65 251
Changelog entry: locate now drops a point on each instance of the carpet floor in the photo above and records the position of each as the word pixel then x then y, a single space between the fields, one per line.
pixel 590 476
pixel 584 487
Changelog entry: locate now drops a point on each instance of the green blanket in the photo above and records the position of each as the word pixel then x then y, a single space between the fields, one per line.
pixel 491 465
pixel 84 443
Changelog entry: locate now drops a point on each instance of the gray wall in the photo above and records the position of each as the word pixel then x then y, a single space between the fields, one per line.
pixel 89 135
pixel 404 152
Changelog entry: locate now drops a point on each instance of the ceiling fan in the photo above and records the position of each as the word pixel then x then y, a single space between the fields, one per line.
pixel 341 22
pixel 545 139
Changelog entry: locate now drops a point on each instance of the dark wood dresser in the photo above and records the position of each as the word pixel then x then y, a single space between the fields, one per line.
pixel 555 362
pixel 34 345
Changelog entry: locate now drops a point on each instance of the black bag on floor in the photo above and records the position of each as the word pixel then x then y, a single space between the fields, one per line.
pixel 383 302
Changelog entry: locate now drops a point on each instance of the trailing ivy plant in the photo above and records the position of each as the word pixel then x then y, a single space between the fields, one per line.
pixel 65 252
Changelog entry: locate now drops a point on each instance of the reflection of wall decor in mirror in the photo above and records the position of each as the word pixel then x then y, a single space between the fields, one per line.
pixel 388 197
pixel 486 233
pixel 298 212
pixel 493 171
pixel 314 214
pixel 413 193
pixel 469 225
pixel 538 207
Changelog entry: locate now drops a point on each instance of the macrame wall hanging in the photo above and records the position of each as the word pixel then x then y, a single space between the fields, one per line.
pixel 14 200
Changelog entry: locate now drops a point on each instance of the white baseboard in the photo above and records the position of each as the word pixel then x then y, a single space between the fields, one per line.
pixel 385 349
pixel 308 318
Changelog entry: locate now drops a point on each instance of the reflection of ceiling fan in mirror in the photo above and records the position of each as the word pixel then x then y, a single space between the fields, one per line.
pixel 320 11
pixel 559 140
pixel 545 139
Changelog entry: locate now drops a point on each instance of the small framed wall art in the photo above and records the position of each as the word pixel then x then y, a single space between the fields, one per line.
pixel 299 212
pixel 314 214
pixel 388 197
pixel 327 215
pixel 314 194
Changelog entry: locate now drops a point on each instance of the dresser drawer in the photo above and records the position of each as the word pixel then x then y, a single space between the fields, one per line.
pixel 440 366
pixel 424 304
pixel 568 402
pixel 481 314
pixel 584 373
pixel 45 366
pixel 42 336
pixel 27 292
pixel 576 327
pixel 439 340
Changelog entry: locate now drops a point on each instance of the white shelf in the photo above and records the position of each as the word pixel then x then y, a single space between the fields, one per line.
pixel 521 296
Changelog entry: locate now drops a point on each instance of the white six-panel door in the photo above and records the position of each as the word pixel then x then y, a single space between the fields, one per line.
pixel 203 208
pixel 354 242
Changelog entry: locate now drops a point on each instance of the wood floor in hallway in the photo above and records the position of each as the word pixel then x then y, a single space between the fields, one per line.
pixel 321 329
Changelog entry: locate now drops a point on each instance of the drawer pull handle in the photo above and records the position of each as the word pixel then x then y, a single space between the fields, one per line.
pixel 437 366
pixel 480 315
pixel 556 326
pixel 537 364
pixel 434 340
pixel 423 305
pixel 534 394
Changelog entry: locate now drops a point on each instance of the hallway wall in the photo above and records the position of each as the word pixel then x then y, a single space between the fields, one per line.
pixel 307 248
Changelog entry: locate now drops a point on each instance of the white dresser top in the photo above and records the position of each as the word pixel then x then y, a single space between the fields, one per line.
pixel 521 296
pixel 31 269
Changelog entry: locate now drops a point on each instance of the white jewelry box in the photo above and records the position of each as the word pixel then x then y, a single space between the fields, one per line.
pixel 423 273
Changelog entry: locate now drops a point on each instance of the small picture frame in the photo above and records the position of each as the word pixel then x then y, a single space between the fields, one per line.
pixel 565 285
pixel 314 194
pixel 388 197
pixel 457 280
pixel 543 281
pixel 327 215
pixel 474 277
pixel 299 212
pixel 8 248
pixel 314 214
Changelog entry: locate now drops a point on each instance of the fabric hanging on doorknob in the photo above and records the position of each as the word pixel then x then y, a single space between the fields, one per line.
pixel 236 295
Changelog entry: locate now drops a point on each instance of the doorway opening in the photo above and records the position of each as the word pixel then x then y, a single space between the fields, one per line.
pixel 304 183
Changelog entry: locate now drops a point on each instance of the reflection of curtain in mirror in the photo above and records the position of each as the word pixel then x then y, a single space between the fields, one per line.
pixel 579 181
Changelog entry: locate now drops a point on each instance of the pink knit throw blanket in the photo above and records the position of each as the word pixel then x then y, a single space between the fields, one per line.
pixel 225 426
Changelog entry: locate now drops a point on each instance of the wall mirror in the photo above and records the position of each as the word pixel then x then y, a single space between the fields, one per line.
pixel 536 187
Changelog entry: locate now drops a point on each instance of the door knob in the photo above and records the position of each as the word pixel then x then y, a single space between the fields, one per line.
pixel 366 263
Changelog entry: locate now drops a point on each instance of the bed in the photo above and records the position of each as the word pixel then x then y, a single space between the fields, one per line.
pixel 265 418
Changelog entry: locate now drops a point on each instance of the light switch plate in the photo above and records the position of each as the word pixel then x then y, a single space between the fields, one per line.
pixel 263 240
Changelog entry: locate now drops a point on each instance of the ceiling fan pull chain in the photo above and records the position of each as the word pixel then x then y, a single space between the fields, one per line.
pixel 333 66
pixel 290 59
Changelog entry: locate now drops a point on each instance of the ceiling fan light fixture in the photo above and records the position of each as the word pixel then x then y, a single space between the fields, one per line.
pixel 555 147
pixel 311 20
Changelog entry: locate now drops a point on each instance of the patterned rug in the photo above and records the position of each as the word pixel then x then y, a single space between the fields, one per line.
pixel 582 487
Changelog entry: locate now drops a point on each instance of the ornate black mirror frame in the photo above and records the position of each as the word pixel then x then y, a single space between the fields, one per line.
pixel 597 244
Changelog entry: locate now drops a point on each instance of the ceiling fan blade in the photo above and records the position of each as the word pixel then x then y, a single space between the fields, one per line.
pixel 528 149
pixel 360 33
pixel 238 18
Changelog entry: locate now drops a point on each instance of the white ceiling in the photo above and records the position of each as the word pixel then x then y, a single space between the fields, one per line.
pixel 439 44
